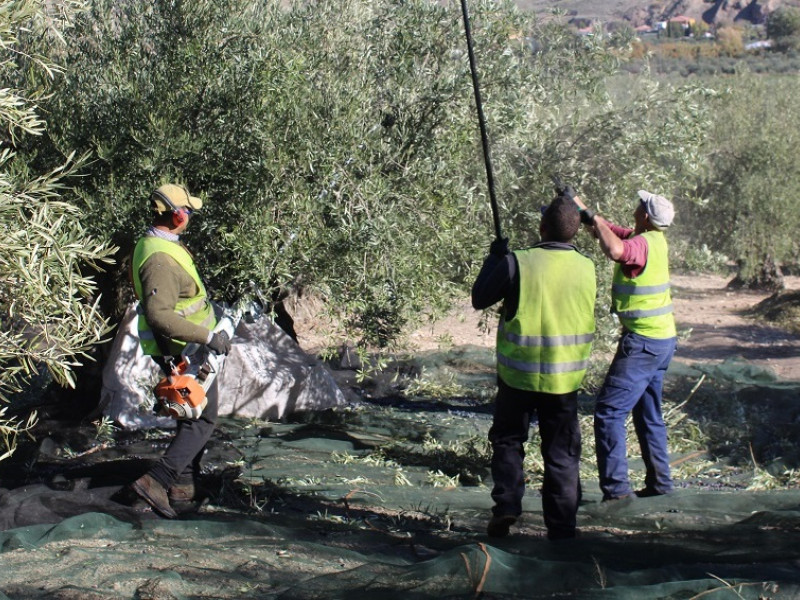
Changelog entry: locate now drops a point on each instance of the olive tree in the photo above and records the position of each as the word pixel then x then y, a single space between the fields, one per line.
pixel 750 209
pixel 336 144
pixel 783 28
pixel 48 310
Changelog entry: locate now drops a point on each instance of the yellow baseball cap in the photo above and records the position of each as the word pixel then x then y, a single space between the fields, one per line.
pixel 170 197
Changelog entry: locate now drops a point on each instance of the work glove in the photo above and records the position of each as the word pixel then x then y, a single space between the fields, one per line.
pixel 587 216
pixel 568 192
pixel 562 189
pixel 499 247
pixel 220 343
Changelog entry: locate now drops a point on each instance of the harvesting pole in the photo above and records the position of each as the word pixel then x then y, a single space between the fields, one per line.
pixel 487 157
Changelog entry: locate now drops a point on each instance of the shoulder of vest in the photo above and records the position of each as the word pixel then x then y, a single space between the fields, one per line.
pixel 150 245
pixel 151 240
pixel 561 250
pixel 555 246
pixel 160 245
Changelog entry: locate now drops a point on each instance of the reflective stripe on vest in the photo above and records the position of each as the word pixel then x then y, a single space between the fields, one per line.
pixel 196 309
pixel 551 341
pixel 545 346
pixel 643 304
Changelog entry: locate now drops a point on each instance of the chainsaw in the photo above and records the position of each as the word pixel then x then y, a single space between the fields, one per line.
pixel 182 393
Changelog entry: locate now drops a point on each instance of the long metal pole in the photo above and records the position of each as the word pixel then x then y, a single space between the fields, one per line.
pixel 487 157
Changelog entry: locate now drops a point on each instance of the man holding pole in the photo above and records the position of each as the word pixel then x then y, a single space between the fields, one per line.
pixel 543 344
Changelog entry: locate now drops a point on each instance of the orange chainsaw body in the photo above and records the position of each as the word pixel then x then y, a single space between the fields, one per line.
pixel 181 396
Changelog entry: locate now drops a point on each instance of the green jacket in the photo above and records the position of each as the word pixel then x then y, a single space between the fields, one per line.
pixel 172 299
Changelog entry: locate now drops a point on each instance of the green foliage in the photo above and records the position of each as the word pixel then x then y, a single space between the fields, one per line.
pixel 699 28
pixel 47 308
pixel 48 314
pixel 783 28
pixel 337 125
pixel 337 146
pixel 749 210
pixel 436 387
pixel 696 258
pixel 10 430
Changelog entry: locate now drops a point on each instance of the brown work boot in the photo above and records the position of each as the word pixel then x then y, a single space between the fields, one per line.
pixel 155 495
pixel 181 493
pixel 499 525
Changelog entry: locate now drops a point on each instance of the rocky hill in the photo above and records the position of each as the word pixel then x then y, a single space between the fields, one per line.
pixel 639 12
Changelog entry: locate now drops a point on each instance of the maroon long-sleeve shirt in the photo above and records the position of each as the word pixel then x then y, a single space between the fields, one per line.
pixel 634 250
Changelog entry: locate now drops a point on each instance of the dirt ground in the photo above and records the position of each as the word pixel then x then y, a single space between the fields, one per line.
pixel 710 318
pixel 720 330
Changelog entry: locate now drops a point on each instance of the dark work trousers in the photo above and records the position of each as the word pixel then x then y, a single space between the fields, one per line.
pixel 181 460
pixel 633 385
pixel 561 451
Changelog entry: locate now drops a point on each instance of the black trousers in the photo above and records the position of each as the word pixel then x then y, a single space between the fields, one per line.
pixel 560 433
pixel 181 460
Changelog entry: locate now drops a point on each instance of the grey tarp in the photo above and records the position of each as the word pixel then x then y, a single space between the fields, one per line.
pixel 266 375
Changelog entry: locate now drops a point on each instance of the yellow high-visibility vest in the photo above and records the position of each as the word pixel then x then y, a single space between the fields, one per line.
pixel 197 309
pixel 545 346
pixel 643 304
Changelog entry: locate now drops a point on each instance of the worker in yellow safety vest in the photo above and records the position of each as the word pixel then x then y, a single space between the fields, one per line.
pixel 174 311
pixel 640 297
pixel 543 343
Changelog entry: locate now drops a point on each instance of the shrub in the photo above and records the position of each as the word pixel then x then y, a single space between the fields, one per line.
pixel 751 213
pixel 49 315
pixel 785 21
pixel 730 41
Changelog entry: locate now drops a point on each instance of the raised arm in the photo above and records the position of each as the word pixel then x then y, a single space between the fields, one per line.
pixel 610 243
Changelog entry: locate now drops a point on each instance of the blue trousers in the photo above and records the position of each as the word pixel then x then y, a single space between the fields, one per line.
pixel 561 452
pixel 633 385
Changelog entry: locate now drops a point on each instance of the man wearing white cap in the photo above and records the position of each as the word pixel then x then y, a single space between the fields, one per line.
pixel 640 297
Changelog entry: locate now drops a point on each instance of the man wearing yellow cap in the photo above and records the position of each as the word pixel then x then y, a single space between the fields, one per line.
pixel 640 297
pixel 174 311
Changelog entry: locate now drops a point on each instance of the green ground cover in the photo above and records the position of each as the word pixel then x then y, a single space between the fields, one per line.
pixel 389 496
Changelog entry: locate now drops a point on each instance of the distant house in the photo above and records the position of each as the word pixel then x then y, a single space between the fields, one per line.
pixel 676 24
pixel 683 20
pixel 645 29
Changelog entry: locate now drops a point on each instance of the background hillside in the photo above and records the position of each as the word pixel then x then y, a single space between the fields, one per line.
pixel 639 12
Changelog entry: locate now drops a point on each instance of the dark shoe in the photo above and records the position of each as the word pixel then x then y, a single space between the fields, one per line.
pixel 499 525
pixel 184 498
pixel 181 493
pixel 155 495
pixel 615 498
pixel 649 493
